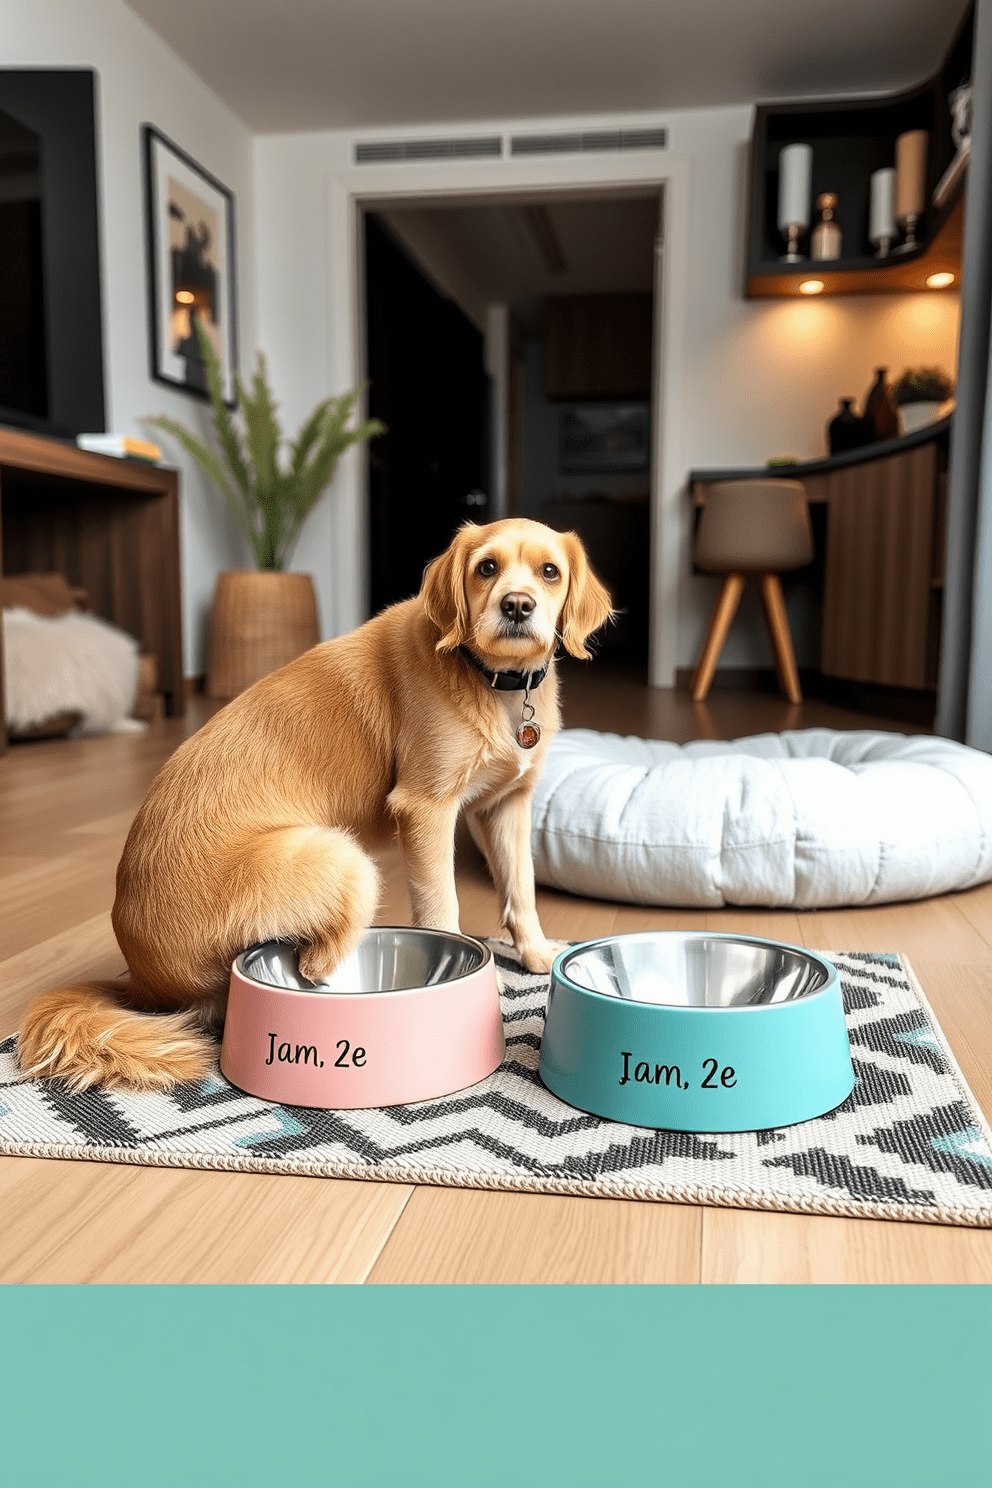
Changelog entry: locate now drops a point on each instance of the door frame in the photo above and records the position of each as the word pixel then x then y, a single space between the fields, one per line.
pixel 353 191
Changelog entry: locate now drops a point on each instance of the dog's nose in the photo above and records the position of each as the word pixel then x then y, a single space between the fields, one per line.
pixel 517 607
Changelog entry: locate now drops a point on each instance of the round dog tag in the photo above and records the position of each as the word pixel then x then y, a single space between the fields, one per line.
pixel 528 735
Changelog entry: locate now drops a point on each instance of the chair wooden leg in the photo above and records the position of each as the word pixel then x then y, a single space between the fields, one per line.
pixel 723 613
pixel 778 625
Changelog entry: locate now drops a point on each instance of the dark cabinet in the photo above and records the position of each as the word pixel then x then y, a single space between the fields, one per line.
pixel 883 582
pixel 598 346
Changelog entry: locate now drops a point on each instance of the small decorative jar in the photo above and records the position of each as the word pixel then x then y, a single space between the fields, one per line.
pixel 826 240
pixel 846 430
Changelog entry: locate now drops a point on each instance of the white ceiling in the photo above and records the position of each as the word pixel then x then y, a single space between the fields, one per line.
pixel 285 65
pixel 500 253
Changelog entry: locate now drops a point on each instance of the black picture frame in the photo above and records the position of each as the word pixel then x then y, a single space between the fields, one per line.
pixel 189 224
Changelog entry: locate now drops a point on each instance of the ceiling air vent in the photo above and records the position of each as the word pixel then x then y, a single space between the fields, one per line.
pixel 590 140
pixel 369 152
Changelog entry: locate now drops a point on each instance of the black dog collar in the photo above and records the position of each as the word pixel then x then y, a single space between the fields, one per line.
pixel 506 681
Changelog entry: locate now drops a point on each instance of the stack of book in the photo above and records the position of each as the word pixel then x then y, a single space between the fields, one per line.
pixel 121 446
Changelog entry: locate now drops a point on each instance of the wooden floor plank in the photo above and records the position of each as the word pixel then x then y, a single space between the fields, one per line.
pixel 88 951
pixel 74 1222
pixel 459 1235
pixel 565 917
pixel 631 918
pixel 64 890
pixel 766 924
pixel 976 906
pixel 912 929
pixel 117 825
pixel 747 1247
pixel 14 865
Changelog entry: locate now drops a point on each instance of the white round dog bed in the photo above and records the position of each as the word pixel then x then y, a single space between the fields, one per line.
pixel 806 819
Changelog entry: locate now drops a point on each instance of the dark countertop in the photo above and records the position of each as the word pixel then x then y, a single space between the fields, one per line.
pixel 831 462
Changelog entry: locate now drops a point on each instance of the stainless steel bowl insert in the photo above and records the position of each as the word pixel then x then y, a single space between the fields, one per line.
pixel 385 960
pixel 673 970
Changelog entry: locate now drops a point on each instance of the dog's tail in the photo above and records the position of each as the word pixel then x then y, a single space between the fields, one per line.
pixel 85 1035
pixel 312 885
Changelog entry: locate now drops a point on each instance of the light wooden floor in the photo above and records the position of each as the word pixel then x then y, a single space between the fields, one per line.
pixel 65 808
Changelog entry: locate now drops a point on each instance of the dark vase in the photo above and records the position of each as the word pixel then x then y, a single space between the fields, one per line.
pixel 846 431
pixel 880 408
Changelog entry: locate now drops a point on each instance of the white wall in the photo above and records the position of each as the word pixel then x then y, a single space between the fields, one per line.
pixel 140 80
pixel 756 378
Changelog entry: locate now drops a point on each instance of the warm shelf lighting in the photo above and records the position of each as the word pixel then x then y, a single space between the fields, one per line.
pixel 811 286
pixel 939 281
pixel 185 297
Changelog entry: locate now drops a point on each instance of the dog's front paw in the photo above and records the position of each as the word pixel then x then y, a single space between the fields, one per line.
pixel 539 955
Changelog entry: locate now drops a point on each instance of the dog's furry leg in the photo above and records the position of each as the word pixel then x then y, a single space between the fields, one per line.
pixel 426 830
pixel 503 833
pixel 310 884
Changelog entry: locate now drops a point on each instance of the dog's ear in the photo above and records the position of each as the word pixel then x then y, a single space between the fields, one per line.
pixel 443 591
pixel 587 604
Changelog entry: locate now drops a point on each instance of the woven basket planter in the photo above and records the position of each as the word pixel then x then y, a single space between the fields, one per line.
pixel 260 620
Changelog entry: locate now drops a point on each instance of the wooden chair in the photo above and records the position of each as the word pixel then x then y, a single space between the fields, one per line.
pixel 757 528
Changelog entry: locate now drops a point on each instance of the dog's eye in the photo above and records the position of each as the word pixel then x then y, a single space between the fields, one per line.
pixel 550 572
pixel 486 568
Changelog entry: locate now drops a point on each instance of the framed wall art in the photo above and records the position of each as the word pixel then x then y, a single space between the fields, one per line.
pixel 191 267
pixel 604 437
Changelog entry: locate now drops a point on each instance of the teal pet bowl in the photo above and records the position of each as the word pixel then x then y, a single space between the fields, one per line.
pixel 696 1032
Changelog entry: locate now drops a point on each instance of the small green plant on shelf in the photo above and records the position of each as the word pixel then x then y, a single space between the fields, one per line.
pixel 923 385
pixel 270 497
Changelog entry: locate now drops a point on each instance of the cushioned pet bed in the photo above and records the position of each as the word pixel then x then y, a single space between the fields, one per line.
pixel 806 819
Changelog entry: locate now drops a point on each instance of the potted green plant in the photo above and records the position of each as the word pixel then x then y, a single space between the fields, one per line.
pixel 918 394
pixel 263 618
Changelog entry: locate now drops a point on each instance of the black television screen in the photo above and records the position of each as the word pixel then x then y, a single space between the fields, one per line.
pixel 51 343
pixel 23 363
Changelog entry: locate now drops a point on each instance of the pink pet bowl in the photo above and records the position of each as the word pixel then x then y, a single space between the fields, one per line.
pixel 409 1016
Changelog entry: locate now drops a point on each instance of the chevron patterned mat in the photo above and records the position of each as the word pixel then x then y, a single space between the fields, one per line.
pixel 909 1143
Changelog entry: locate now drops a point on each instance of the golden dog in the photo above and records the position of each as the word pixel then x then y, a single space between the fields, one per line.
pixel 256 828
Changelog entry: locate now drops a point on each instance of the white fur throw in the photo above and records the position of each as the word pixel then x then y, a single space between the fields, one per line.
pixel 69 663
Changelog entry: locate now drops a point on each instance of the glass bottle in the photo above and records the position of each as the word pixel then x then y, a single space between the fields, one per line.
pixel 826 239
pixel 880 408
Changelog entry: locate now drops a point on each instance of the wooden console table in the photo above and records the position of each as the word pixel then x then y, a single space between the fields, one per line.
pixel 886 507
pixel 111 526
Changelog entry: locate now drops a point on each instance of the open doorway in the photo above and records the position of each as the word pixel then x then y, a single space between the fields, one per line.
pixel 549 381
pixel 428 385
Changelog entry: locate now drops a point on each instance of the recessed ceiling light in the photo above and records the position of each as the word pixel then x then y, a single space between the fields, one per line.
pixel 811 286
pixel 185 297
pixel 939 281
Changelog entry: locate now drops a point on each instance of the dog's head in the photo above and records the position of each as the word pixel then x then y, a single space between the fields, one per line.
pixel 512 590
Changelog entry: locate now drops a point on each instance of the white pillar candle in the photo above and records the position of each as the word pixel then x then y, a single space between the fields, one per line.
pixel 911 169
pixel 795 164
pixel 881 218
